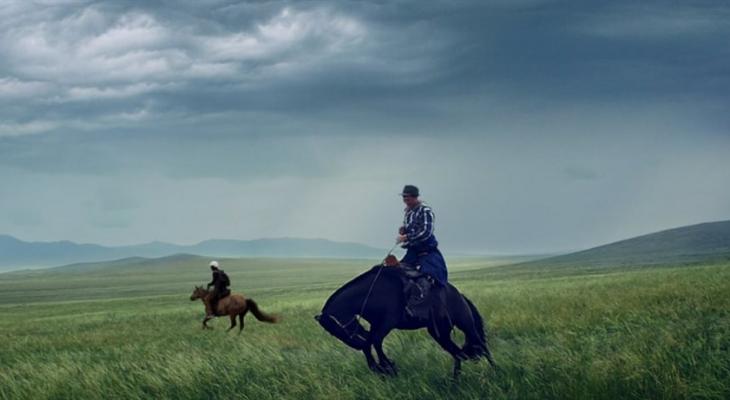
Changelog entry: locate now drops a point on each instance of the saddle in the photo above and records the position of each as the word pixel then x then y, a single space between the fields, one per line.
pixel 411 272
pixel 417 288
pixel 218 296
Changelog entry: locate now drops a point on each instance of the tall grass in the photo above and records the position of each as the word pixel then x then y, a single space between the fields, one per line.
pixel 647 333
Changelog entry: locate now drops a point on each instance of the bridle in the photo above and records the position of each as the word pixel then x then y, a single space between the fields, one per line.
pixel 358 316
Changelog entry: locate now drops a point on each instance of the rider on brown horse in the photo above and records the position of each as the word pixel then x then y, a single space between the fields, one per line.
pixel 220 285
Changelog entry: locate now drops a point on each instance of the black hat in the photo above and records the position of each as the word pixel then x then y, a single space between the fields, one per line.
pixel 410 190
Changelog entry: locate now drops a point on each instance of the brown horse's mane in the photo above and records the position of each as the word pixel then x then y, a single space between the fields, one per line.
pixel 206 296
pixel 202 289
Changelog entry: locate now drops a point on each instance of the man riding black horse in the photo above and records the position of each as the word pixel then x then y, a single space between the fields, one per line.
pixel 422 253
pixel 220 285
pixel 431 302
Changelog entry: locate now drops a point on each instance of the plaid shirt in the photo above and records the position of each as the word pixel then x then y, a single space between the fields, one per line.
pixel 418 224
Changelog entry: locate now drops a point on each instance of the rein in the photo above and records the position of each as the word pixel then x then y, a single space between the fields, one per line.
pixel 358 316
pixel 367 296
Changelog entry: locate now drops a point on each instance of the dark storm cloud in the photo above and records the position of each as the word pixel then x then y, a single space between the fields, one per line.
pixel 559 112
pixel 88 66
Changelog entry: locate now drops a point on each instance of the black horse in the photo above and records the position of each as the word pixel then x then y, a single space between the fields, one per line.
pixel 377 296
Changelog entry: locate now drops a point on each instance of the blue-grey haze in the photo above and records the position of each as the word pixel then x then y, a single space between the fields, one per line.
pixel 529 125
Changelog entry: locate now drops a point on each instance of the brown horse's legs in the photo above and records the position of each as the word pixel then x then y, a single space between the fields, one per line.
pixel 240 321
pixel 205 322
pixel 233 322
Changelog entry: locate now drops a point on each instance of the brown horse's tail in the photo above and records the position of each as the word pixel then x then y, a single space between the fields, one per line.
pixel 260 315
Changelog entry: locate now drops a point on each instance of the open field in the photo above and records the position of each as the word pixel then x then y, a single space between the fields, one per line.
pixel 130 331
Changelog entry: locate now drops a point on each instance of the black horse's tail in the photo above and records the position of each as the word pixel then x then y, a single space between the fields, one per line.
pixel 479 347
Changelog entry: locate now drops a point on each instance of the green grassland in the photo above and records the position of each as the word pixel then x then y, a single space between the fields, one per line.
pixel 129 330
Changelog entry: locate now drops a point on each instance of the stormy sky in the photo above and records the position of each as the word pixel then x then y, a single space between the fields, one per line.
pixel 530 126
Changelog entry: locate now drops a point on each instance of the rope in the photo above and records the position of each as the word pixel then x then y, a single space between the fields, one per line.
pixel 370 290
pixel 365 301
pixel 392 248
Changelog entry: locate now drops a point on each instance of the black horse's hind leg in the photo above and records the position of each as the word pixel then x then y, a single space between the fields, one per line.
pixel 470 322
pixel 442 334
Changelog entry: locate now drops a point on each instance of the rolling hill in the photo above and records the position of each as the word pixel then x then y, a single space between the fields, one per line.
pixel 15 253
pixel 688 244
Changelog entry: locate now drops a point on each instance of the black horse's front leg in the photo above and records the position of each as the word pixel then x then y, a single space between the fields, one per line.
pixel 457 367
pixel 369 358
pixel 378 332
pixel 386 364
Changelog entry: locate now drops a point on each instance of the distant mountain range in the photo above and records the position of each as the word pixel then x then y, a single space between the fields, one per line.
pixel 694 243
pixel 687 244
pixel 15 253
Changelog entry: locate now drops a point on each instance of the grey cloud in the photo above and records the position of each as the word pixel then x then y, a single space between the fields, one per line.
pixel 660 21
pixel 562 123
pixel 114 63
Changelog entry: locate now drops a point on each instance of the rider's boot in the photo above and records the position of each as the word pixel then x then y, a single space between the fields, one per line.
pixel 211 310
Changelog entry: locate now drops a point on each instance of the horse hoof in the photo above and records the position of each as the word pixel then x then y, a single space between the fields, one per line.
pixel 392 370
pixel 386 370
pixel 378 369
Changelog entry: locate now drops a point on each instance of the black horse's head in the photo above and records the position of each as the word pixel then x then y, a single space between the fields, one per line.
pixel 341 313
pixel 350 332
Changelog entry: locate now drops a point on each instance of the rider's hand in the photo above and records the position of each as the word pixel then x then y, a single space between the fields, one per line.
pixel 401 239
pixel 402 230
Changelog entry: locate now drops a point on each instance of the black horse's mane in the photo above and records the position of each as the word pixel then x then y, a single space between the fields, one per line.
pixel 391 272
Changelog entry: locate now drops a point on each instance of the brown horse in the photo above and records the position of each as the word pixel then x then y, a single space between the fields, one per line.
pixel 232 305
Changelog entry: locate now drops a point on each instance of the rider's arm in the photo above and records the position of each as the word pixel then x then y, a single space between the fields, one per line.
pixel 212 282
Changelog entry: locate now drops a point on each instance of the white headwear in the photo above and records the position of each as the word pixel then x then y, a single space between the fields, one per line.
pixel 214 264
